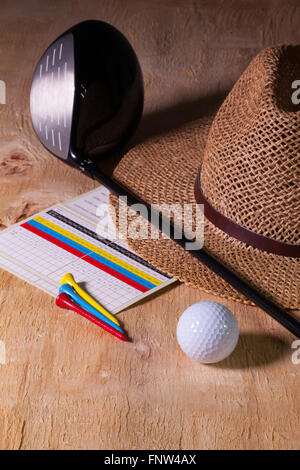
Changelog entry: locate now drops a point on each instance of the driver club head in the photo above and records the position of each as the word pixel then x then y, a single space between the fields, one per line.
pixel 87 94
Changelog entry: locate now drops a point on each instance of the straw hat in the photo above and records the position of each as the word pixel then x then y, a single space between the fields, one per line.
pixel 243 165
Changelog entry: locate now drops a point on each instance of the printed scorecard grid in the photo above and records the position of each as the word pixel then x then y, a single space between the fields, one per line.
pixel 64 239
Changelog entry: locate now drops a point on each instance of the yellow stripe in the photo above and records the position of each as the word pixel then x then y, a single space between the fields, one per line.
pixel 97 250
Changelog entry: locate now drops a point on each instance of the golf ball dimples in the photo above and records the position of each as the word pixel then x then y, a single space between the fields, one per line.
pixel 207 332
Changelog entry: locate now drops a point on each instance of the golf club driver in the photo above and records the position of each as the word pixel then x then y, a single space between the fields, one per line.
pixel 86 101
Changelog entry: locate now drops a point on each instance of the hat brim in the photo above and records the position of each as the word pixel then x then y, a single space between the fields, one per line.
pixel 163 170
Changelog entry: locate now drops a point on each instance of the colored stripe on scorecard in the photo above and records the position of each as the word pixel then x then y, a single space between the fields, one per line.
pixel 105 241
pixel 114 259
pixel 86 258
pixel 87 251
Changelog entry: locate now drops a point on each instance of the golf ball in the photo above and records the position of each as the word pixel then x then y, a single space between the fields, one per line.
pixel 207 332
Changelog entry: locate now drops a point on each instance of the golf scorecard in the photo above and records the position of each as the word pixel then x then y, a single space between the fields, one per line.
pixel 65 238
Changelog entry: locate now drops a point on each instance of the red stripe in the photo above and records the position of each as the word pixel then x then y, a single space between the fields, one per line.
pixel 86 258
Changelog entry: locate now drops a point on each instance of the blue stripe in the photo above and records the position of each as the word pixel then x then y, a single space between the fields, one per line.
pixel 93 255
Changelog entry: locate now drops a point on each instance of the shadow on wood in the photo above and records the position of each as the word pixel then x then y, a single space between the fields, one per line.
pixel 255 350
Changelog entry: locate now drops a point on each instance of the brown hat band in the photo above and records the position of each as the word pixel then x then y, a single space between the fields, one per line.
pixel 242 233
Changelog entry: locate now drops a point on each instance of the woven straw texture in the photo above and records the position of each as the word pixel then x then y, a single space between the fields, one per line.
pixel 250 172
pixel 249 155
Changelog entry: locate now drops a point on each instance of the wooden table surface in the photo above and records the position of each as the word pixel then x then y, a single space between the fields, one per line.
pixel 65 384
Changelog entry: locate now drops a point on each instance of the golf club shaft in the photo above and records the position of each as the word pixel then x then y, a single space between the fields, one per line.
pixel 282 317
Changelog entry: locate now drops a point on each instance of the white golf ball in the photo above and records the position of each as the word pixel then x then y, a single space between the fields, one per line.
pixel 207 332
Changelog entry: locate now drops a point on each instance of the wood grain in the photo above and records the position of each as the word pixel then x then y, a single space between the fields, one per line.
pixel 65 383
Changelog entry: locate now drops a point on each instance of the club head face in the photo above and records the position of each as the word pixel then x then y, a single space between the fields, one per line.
pixel 52 96
pixel 87 93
